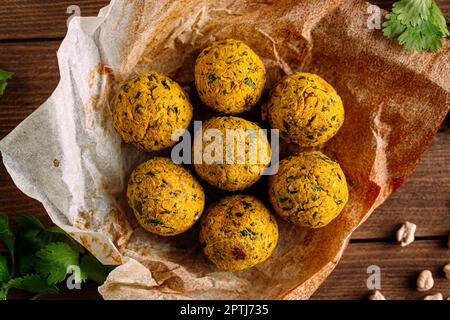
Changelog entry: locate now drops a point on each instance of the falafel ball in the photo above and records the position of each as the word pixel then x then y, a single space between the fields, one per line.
pixel 229 77
pixel 148 109
pixel 166 199
pixel 236 158
pixel 238 232
pixel 306 109
pixel 309 190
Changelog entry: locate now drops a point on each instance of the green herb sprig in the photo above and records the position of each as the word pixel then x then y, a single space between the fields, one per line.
pixel 40 258
pixel 4 77
pixel 418 24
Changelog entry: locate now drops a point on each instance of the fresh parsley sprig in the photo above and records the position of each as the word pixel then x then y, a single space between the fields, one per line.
pixel 418 24
pixel 40 258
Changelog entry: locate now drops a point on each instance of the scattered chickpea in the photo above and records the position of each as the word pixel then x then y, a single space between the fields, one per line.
pixel 436 296
pixel 447 271
pixel 405 235
pixel 377 295
pixel 425 281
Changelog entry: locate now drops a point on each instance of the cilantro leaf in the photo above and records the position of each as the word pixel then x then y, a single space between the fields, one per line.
pixel 4 271
pixel 57 230
pixel 25 248
pixel 54 260
pixel 4 77
pixel 412 11
pixel 31 283
pixel 418 25
pixel 437 19
pixel 49 235
pixel 431 42
pixel 94 269
pixel 43 257
pixel 411 39
pixel 6 234
pixel 79 275
pixel 56 234
pixel 392 26
pixel 29 222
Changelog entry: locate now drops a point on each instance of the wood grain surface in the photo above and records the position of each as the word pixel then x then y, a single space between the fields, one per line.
pixel 30 34
pixel 41 19
pixel 399 270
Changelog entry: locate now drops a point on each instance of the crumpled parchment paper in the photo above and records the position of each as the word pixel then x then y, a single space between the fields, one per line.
pixel 67 155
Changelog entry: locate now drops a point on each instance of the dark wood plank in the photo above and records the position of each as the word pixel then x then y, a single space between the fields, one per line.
pixel 26 19
pixel 399 269
pixel 36 75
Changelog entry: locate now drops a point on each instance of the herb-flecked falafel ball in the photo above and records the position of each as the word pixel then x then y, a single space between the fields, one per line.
pixel 306 109
pixel 166 199
pixel 229 77
pixel 242 153
pixel 148 109
pixel 310 190
pixel 238 232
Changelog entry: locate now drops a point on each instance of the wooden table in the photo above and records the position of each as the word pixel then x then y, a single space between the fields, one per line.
pixel 31 32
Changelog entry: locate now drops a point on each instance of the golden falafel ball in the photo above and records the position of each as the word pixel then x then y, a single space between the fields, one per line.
pixel 229 77
pixel 309 190
pixel 238 232
pixel 237 158
pixel 306 109
pixel 148 109
pixel 166 199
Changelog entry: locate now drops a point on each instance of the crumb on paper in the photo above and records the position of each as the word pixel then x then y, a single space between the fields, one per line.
pixel 56 163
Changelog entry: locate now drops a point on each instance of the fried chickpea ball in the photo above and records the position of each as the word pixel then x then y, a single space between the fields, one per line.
pixel 238 155
pixel 166 199
pixel 148 109
pixel 229 77
pixel 309 190
pixel 238 232
pixel 306 109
